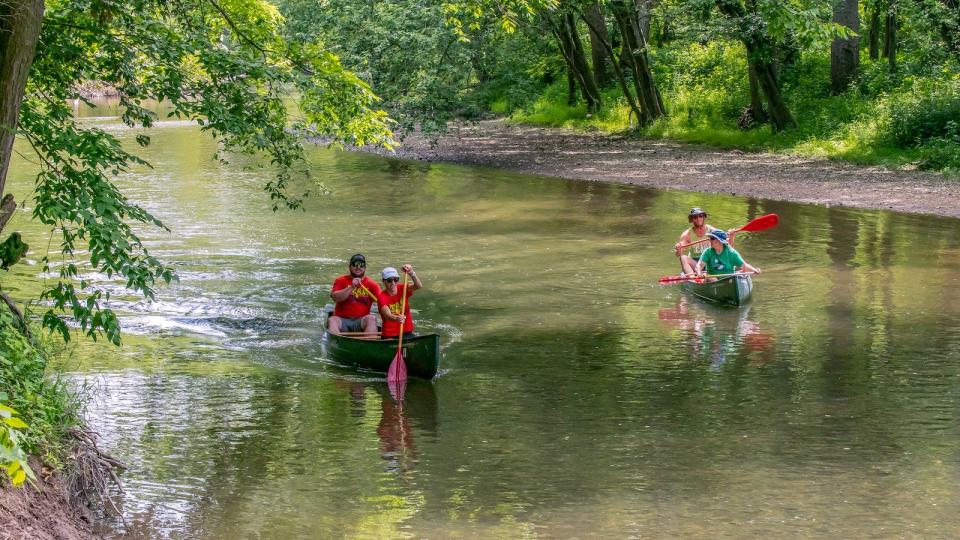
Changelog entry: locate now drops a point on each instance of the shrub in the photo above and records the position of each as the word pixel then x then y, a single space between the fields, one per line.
pixel 931 110
pixel 941 154
pixel 44 404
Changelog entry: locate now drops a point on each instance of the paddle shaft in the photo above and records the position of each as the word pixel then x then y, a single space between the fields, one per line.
pixel 679 279
pixel 403 313
pixel 761 223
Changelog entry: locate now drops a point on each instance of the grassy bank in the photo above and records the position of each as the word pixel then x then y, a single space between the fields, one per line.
pixel 894 118
pixel 38 411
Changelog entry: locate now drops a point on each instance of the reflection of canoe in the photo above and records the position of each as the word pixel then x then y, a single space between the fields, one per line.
pixel 421 353
pixel 733 290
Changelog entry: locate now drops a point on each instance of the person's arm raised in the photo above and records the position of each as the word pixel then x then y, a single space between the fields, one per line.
pixel 417 284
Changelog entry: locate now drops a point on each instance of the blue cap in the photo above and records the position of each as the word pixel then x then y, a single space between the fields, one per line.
pixel 717 234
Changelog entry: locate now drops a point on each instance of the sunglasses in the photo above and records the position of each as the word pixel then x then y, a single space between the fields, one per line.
pixel 393 279
pixel 358 265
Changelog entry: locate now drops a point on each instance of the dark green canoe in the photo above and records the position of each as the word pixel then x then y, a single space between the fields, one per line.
pixel 421 353
pixel 733 290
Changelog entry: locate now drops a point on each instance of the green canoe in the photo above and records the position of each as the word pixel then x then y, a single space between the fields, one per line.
pixel 421 353
pixel 733 290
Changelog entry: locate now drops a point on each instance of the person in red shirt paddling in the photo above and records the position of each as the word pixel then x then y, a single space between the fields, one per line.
pixel 391 300
pixel 354 295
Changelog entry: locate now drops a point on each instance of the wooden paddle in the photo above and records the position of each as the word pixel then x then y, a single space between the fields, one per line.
pixel 398 368
pixel 761 223
pixel 670 280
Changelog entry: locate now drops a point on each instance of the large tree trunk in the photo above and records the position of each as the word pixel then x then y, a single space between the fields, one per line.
pixel 845 53
pixel 644 9
pixel 598 52
pixel 874 31
pixel 756 100
pixel 571 47
pixel 571 88
pixel 760 51
pixel 19 31
pixel 890 35
pixel 618 70
pixel 634 55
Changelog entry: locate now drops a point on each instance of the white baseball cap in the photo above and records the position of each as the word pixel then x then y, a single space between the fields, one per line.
pixel 389 272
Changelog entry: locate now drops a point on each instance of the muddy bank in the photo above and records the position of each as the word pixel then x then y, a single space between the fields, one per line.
pixel 673 165
pixel 44 514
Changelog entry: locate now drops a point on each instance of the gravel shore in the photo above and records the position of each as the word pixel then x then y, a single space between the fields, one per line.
pixel 674 165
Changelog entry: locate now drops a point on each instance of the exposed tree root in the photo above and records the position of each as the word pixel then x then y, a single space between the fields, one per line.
pixel 91 474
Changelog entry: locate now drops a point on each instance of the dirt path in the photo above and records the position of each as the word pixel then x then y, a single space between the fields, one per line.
pixel 673 165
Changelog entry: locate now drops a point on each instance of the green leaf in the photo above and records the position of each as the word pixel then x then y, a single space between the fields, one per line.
pixel 15 423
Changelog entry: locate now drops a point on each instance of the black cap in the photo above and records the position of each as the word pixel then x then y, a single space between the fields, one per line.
pixel 358 257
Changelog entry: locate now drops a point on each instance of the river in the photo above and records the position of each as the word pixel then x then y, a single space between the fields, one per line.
pixel 578 398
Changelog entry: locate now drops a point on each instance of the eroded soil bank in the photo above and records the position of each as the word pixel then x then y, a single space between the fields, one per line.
pixel 41 514
pixel 674 165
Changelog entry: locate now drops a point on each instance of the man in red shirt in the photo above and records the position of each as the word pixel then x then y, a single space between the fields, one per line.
pixel 354 295
pixel 391 300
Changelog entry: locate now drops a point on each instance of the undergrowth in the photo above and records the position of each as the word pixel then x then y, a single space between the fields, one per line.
pixel 905 118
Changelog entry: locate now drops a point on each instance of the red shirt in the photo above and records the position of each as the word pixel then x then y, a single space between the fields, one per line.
pixel 392 328
pixel 357 304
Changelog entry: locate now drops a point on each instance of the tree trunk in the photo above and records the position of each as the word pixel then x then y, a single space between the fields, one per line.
pixel 760 54
pixel 845 53
pixel 664 35
pixel 644 8
pixel 756 100
pixel 634 55
pixel 950 26
pixel 572 49
pixel 890 36
pixel 571 88
pixel 874 32
pixel 618 70
pixel 19 31
pixel 598 52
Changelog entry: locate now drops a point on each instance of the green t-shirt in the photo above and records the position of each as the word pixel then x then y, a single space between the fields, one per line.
pixel 725 262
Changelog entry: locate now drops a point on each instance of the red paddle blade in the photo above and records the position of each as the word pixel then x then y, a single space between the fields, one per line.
pixel 670 280
pixel 761 223
pixel 398 369
pixel 398 390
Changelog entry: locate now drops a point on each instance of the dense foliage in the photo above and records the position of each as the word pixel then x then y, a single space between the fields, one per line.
pixel 222 63
pixel 713 71
pixel 35 411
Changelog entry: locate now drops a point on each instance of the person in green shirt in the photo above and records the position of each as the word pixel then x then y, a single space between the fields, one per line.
pixel 721 258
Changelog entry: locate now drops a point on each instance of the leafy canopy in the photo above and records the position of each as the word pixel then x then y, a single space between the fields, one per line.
pixel 224 64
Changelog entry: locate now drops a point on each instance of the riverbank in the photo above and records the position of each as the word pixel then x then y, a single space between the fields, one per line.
pixel 42 512
pixel 665 164
pixel 42 418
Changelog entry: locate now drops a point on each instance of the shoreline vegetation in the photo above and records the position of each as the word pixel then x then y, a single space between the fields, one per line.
pixel 62 489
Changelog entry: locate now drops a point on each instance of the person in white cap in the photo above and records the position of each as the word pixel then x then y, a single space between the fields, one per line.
pixel 391 300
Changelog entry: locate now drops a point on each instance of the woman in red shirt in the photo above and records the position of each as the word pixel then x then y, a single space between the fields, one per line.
pixel 391 300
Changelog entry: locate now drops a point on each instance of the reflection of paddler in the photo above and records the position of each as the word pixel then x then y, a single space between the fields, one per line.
pixel 715 331
pixel 399 419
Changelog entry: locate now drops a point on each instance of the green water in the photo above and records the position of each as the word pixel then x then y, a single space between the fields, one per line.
pixel 578 398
